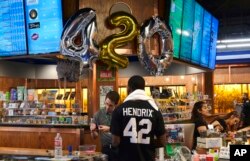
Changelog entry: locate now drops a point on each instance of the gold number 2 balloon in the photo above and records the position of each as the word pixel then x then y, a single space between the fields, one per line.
pixel 129 32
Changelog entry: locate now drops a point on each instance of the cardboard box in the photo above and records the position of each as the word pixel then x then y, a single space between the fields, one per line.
pixel 209 142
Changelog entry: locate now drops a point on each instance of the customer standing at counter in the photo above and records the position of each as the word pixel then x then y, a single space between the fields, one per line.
pixel 245 113
pixel 199 112
pixel 101 123
pixel 135 123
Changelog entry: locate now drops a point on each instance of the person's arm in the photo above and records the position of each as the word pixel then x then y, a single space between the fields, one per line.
pixel 115 141
pixel 215 123
pixel 115 128
pixel 160 141
pixel 115 146
pixel 94 134
pixel 93 130
pixel 201 129
pixel 93 127
pixel 160 131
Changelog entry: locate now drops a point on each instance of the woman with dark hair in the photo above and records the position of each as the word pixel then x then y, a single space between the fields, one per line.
pixel 229 122
pixel 199 112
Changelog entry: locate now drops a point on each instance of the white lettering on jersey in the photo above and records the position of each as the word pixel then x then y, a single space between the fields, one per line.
pixel 138 137
pixel 130 111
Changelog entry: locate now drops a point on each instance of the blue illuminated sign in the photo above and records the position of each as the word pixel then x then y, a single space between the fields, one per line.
pixel 44 25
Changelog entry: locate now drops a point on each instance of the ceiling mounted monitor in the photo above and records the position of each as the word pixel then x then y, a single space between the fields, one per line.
pixel 194 32
pixel 44 26
pixel 12 28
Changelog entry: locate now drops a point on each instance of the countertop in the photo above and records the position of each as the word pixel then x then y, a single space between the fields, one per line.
pixel 45 125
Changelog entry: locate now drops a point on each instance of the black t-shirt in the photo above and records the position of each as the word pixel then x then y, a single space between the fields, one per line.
pixel 137 123
pixel 198 122
pixel 246 113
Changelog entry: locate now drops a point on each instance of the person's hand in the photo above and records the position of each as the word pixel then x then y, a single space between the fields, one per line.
pixel 103 128
pixel 231 134
pixel 92 126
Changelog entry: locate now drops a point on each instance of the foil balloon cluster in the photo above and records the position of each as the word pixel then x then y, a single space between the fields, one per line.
pixel 129 32
pixel 77 41
pixel 155 65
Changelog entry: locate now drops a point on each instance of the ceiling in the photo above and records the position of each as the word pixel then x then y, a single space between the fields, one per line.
pixel 233 16
pixel 227 8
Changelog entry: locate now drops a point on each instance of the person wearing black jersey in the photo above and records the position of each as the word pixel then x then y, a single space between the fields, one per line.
pixel 136 123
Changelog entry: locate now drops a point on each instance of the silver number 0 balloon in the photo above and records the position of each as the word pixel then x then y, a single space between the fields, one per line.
pixel 155 65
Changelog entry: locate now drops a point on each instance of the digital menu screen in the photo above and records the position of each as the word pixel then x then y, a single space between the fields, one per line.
pixel 197 34
pixel 205 49
pixel 175 23
pixel 44 25
pixel 187 30
pixel 213 41
pixel 194 33
pixel 12 28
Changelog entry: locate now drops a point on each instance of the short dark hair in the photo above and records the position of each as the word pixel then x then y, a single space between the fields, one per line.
pixel 136 82
pixel 113 96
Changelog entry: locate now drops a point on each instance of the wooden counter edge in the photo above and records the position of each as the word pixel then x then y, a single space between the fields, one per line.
pixel 35 152
pixel 26 151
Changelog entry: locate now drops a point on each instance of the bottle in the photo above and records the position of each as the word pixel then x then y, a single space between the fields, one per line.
pixel 58 146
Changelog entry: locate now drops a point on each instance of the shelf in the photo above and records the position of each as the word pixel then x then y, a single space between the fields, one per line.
pixel 184 112
pixel 39 108
pixel 44 125
pixel 176 112
pixel 43 116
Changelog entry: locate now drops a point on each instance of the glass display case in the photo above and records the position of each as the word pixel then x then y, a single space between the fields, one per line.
pixel 36 113
pixel 174 109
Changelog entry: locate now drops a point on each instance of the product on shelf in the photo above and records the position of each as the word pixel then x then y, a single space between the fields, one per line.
pixel 174 109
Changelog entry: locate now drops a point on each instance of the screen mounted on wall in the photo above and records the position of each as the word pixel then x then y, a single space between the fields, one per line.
pixel 175 22
pixel 44 25
pixel 12 28
pixel 187 30
pixel 30 27
pixel 194 31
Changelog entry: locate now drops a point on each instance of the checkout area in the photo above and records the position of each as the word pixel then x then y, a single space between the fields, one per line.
pixel 210 146
pixel 19 154
pixel 36 142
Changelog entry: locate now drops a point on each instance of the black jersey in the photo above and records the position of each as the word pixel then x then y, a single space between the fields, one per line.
pixel 137 123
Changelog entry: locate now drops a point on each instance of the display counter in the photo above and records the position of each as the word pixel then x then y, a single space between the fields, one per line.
pixel 41 136
pixel 41 154
pixel 26 152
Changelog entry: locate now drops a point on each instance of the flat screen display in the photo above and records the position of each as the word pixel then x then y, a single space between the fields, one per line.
pixel 197 34
pixel 12 28
pixel 194 32
pixel 44 25
pixel 205 48
pixel 187 30
pixel 175 23
pixel 213 39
